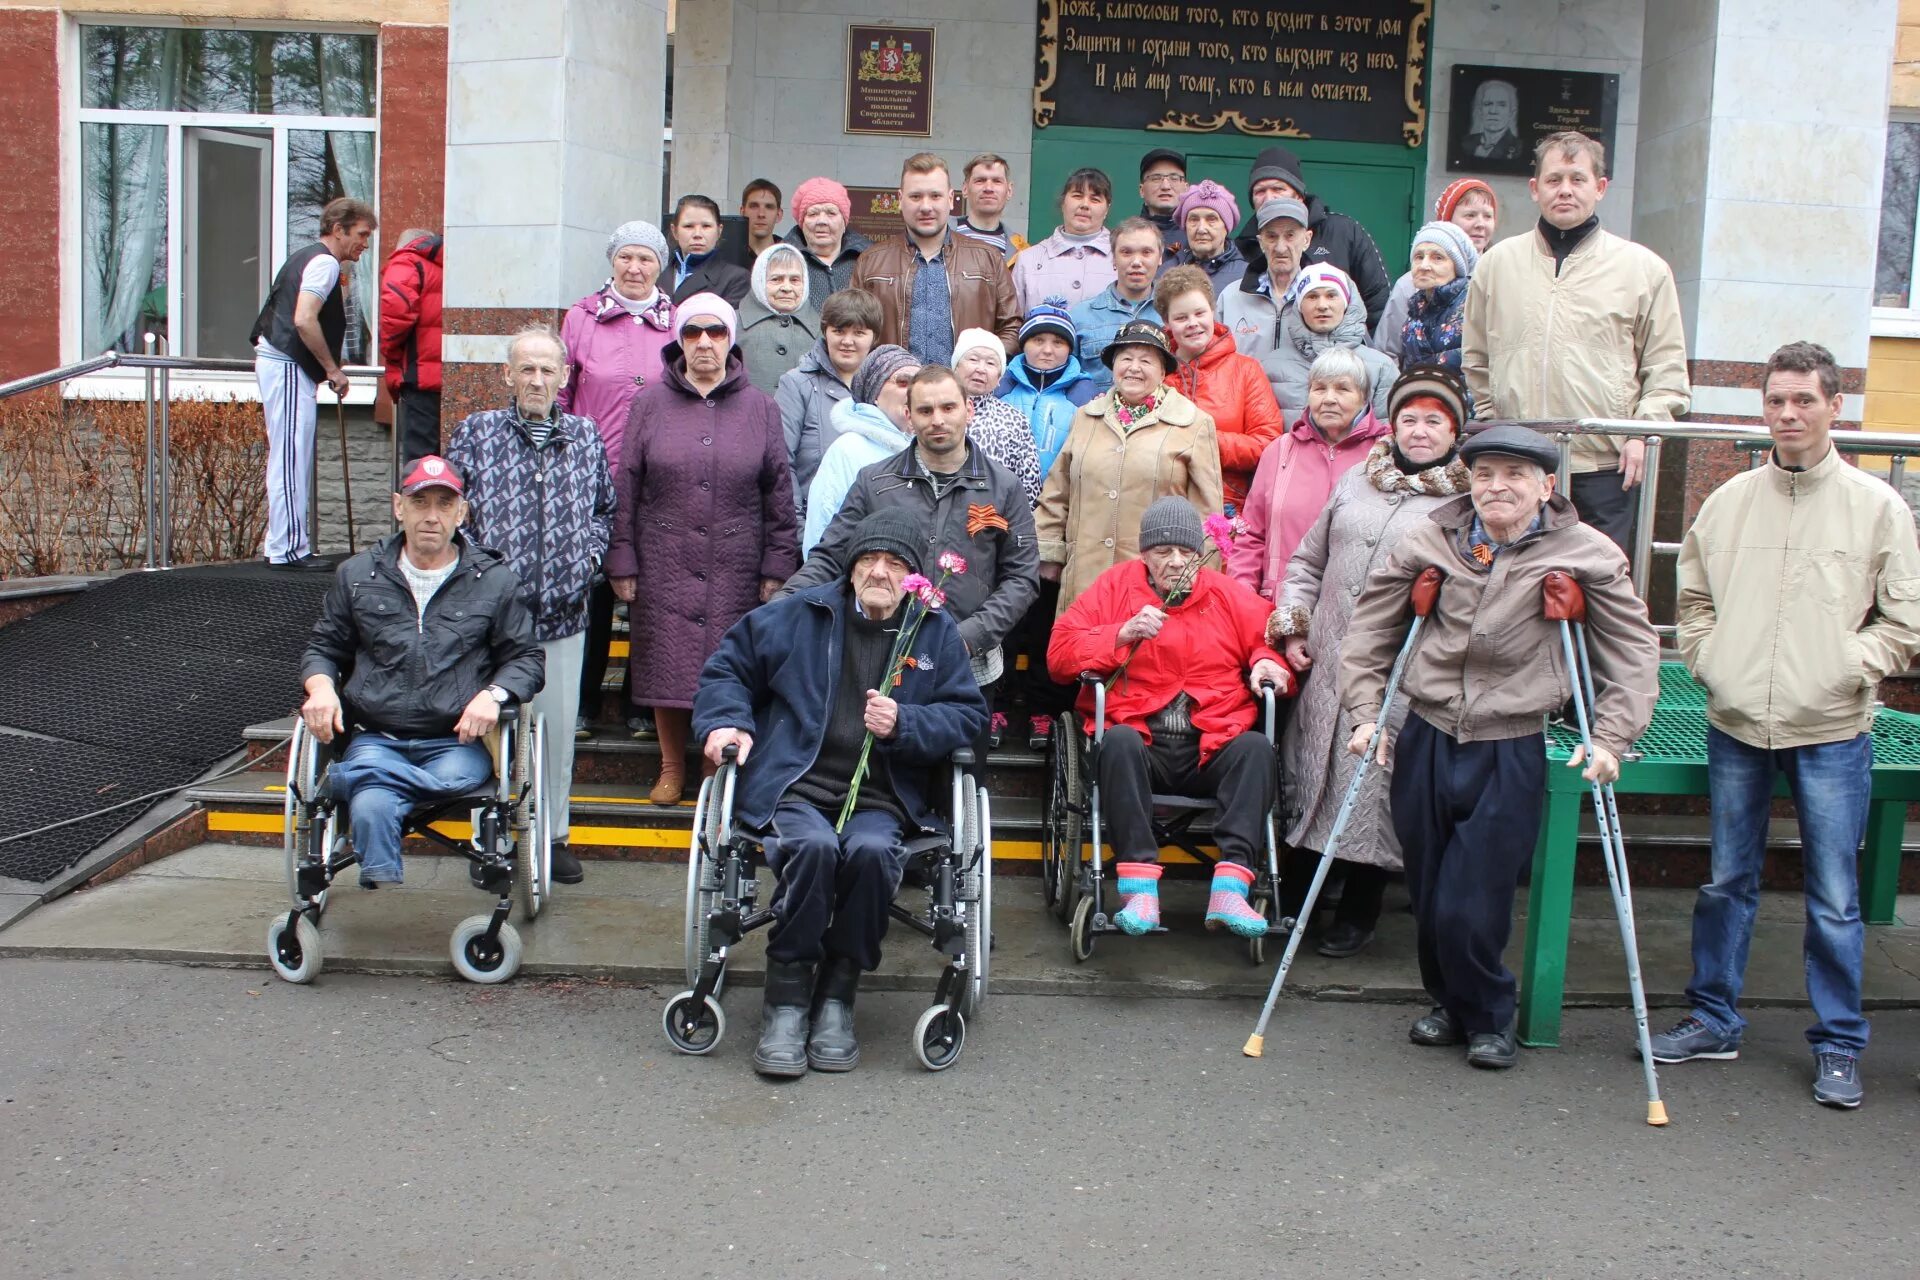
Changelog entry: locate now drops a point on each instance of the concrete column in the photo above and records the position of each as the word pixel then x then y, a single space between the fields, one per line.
pixel 555 115
pixel 715 44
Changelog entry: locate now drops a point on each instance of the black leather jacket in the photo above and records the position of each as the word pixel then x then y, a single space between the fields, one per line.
pixel 412 676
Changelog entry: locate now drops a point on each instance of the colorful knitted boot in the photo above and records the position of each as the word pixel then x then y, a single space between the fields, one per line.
pixel 1228 904
pixel 1139 883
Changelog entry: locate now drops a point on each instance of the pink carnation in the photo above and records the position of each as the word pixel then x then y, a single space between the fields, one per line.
pixel 914 583
pixel 953 562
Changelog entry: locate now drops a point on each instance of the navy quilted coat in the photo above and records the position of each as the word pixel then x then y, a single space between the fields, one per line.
pixel 705 512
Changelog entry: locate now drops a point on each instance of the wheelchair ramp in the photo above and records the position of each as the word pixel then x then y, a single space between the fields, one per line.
pixel 139 684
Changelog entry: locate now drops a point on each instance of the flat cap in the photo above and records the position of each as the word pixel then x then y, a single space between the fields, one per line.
pixel 1510 439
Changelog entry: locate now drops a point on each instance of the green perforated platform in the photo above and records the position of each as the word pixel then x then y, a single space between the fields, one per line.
pixel 1671 759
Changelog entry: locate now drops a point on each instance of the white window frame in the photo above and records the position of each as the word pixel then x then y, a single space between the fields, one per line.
pixel 130 384
pixel 1903 322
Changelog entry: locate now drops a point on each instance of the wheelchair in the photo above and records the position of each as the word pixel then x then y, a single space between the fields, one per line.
pixel 1073 884
pixel 511 850
pixel 954 871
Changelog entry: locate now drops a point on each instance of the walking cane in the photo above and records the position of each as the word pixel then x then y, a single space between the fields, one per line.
pixel 346 472
pixel 1426 590
pixel 1564 602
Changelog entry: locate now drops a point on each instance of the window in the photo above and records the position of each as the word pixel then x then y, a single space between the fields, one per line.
pixel 206 155
pixel 1896 311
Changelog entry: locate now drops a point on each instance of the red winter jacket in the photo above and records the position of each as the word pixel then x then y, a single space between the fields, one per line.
pixel 1246 417
pixel 1206 648
pixel 410 316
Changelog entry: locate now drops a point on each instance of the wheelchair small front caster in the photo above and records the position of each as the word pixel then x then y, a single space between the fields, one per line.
pixel 475 960
pixel 938 1037
pixel 692 1028
pixel 1080 933
pixel 295 954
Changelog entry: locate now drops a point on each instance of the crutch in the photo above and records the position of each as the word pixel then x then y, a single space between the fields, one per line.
pixel 1426 590
pixel 1564 602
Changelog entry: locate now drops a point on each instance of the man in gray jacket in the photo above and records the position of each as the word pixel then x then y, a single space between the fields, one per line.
pixel 965 502
pixel 1799 594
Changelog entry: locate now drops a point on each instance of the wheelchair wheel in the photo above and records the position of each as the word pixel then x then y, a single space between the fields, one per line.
pixel 296 812
pixel 477 962
pixel 295 955
pixel 1080 933
pixel 976 847
pixel 691 1028
pixel 1060 869
pixel 532 823
pixel 703 882
pixel 938 1037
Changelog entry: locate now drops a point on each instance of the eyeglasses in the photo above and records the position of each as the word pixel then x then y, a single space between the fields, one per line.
pixel 718 332
pixel 1162 179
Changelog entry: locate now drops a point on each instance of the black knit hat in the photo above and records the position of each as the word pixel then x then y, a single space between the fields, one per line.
pixel 1276 162
pixel 1140 333
pixel 894 532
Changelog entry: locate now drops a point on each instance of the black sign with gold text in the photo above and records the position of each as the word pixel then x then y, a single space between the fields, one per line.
pixel 1343 70
pixel 889 81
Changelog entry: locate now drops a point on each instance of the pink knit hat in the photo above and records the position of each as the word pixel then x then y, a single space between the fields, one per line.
pixel 1208 194
pixel 822 191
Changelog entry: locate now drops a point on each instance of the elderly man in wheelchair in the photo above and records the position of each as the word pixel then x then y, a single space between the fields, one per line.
pixel 1169 655
pixel 795 694
pixel 423 648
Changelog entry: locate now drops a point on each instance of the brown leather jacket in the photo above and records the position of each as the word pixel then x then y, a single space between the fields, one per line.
pixel 1488 665
pixel 978 282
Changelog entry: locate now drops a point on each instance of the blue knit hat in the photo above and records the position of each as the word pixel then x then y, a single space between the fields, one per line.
pixel 1050 316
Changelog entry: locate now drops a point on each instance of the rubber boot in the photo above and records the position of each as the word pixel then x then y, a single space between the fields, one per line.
pixel 672 724
pixel 782 1050
pixel 831 1045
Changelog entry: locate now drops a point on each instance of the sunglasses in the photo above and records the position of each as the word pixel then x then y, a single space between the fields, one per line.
pixel 718 332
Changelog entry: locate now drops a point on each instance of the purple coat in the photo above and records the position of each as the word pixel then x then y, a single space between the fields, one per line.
pixel 706 511
pixel 611 355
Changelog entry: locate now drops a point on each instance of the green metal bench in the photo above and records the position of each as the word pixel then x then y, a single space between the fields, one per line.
pixel 1673 762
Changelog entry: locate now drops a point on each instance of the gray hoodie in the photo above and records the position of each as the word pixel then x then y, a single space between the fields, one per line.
pixel 1298 347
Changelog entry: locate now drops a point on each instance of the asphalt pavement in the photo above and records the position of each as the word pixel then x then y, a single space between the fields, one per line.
pixel 158 1121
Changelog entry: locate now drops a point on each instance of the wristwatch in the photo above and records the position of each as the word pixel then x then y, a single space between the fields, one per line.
pixel 498 694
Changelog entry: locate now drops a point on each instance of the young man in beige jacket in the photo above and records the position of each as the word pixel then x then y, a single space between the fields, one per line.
pixel 1469 767
pixel 1799 593
pixel 1569 321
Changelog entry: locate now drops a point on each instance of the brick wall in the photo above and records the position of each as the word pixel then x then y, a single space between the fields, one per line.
pixel 30 197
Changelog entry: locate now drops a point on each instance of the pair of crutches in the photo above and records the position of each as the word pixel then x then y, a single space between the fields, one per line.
pixel 1563 602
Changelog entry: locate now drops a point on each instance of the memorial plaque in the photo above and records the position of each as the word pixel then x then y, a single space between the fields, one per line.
pixel 890 81
pixel 1499 114
pixel 1342 70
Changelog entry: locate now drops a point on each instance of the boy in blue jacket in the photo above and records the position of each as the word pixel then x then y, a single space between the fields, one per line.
pixel 796 686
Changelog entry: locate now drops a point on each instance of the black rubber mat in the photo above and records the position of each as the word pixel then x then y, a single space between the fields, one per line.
pixel 144 681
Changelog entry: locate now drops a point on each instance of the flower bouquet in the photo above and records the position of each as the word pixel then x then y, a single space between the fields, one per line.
pixel 925 595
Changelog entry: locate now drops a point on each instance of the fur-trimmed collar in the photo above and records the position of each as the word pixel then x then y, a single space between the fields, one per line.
pixel 1386 476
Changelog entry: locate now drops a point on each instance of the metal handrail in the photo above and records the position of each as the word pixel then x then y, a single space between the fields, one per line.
pixel 1757 441
pixel 159 400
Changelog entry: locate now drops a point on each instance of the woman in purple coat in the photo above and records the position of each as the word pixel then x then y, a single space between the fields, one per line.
pixel 705 530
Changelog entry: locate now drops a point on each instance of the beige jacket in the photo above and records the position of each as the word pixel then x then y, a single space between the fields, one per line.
pixel 1602 339
pixel 1488 665
pixel 1104 479
pixel 1799 594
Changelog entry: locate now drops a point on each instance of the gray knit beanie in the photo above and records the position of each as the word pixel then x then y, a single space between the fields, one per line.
pixel 881 363
pixel 891 531
pixel 644 234
pixel 1172 522
pixel 1453 242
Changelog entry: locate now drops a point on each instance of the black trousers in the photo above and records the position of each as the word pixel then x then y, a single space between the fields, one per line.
pixel 593 664
pixel 1468 815
pixel 1029 638
pixel 1364 887
pixel 1240 778
pixel 1602 503
pixel 416 418
pixel 834 886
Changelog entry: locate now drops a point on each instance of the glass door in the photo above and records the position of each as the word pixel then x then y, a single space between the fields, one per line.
pixel 226 248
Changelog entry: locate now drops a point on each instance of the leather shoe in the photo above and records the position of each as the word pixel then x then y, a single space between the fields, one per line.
pixel 566 865
pixel 782 1050
pixel 832 1046
pixel 1493 1050
pixel 1436 1028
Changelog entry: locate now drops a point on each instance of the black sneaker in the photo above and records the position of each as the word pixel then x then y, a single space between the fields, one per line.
pixel 1836 1079
pixel 1343 940
pixel 566 865
pixel 301 564
pixel 1493 1050
pixel 1437 1028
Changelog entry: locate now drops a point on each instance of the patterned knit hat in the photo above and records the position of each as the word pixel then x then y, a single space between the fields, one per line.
pixel 644 234
pixel 1453 242
pixel 881 364
pixel 1456 191
pixel 1049 316
pixel 1322 275
pixel 1431 381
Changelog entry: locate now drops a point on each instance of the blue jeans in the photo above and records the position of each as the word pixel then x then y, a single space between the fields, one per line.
pixel 1829 782
pixel 382 779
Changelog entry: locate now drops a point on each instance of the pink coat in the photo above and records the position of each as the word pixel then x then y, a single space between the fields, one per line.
pixel 1293 482
pixel 611 356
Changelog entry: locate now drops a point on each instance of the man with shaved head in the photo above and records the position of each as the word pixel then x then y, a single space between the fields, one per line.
pixel 540 493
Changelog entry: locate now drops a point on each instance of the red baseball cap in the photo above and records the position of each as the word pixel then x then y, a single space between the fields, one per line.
pixel 430 471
